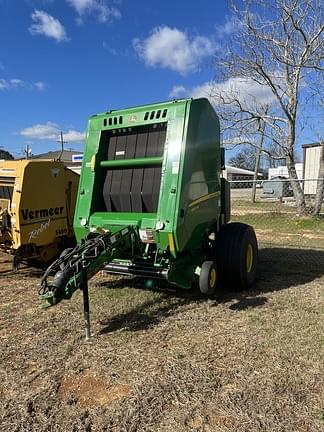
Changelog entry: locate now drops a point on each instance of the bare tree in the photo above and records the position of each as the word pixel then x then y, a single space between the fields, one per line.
pixel 245 158
pixel 278 50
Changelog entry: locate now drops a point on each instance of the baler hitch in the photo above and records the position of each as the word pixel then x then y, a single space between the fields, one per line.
pixel 75 267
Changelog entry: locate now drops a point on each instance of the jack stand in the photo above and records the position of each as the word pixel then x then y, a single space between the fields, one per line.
pixel 86 310
pixel 15 263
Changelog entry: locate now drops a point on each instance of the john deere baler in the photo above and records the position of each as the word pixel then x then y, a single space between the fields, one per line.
pixel 151 202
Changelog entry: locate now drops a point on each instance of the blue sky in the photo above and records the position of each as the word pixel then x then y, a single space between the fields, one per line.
pixel 63 60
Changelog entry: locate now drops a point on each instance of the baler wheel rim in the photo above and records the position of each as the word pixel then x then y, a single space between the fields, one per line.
pixel 212 278
pixel 249 258
pixel 208 278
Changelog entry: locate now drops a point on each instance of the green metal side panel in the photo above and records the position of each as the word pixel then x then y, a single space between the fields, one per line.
pixel 199 198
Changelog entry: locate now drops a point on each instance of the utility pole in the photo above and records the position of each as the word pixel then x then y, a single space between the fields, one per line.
pixel 61 140
pixel 27 151
pixel 257 161
pixel 262 126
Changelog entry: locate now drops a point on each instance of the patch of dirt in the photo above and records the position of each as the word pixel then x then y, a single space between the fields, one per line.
pixel 88 391
pixel 223 421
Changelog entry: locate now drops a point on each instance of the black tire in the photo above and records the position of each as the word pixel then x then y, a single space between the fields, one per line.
pixel 237 256
pixel 208 278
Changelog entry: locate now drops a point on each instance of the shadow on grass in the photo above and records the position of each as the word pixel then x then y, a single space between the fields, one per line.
pixel 23 271
pixel 246 302
pixel 143 316
pixel 279 269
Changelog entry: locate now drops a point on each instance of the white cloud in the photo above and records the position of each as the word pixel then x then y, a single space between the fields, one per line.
pixel 16 82
pixel 232 142
pixel 100 8
pixel 51 131
pixel 230 26
pixel 203 90
pixel 171 48
pixel 178 91
pixel 247 91
pixel 8 84
pixel 74 136
pixel 48 26
pixel 109 48
pixel 47 131
pixel 40 85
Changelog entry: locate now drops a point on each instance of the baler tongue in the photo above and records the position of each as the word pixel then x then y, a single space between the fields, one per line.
pixel 75 266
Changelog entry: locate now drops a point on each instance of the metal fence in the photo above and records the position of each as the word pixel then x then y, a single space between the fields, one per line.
pixel 271 210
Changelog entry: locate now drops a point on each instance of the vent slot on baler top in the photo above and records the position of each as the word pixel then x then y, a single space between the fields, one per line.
pixel 133 189
pixel 151 115
pixel 113 121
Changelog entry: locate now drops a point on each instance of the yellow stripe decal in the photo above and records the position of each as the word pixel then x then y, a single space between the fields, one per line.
pixel 93 163
pixel 171 242
pixel 204 198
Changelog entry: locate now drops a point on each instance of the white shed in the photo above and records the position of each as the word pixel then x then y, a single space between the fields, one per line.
pixel 282 171
pixel 234 174
pixel 312 154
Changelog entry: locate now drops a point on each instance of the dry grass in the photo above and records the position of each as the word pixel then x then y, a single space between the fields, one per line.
pixel 161 361
pixel 276 224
